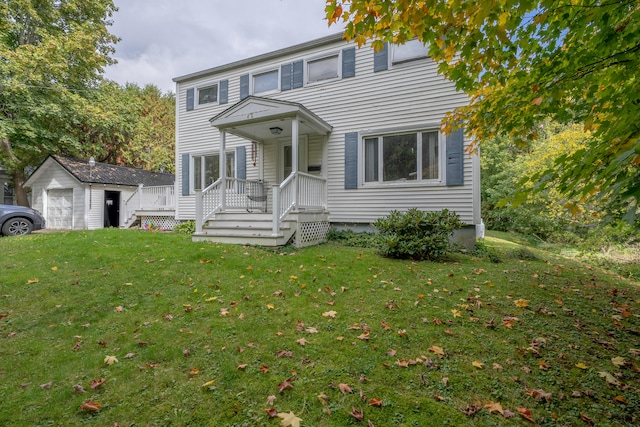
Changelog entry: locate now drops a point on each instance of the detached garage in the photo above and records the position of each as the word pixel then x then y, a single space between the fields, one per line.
pixel 76 195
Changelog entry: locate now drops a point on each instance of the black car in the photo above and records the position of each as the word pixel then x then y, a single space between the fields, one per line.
pixel 18 220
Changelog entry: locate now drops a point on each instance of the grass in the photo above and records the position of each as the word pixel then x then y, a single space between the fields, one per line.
pixel 203 334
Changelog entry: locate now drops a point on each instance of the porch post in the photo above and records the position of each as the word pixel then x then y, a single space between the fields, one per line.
pixel 140 195
pixel 199 211
pixel 294 158
pixel 275 191
pixel 223 170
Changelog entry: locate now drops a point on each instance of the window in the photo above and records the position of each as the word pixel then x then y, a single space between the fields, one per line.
pixel 322 69
pixel 410 50
pixel 265 82
pixel 206 169
pixel 207 95
pixel 402 157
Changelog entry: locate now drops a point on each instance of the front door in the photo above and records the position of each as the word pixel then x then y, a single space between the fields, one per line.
pixel 111 209
pixel 285 163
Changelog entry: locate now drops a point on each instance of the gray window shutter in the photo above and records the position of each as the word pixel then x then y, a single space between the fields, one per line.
pixel 381 59
pixel 351 160
pixel 298 74
pixel 241 162
pixel 348 62
pixel 223 98
pixel 186 158
pixel 286 77
pixel 190 98
pixel 244 86
pixel 455 158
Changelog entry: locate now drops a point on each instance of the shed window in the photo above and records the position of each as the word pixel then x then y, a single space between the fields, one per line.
pixel 206 169
pixel 323 69
pixel 207 95
pixel 411 156
pixel 409 51
pixel 265 82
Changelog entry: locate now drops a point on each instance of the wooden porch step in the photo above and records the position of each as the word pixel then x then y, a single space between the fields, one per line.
pixel 244 228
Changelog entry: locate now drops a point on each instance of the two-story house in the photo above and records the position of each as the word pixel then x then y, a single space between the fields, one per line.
pixel 286 144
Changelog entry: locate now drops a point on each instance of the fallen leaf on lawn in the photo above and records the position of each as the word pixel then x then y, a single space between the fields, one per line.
pixel 323 398
pixel 581 366
pixel 311 330
pixel 386 326
pixel 522 303
pixel 264 369
pixel 618 361
pixel 289 420
pixel 375 402
pixel 494 407
pixel 344 388
pixel 284 353
pixel 497 367
pixel 620 399
pixel 470 410
pixel 331 314
pixel 97 383
pixel 271 399
pixel 194 371
pixel 356 413
pixel 285 385
pixel 526 414
pixel 110 360
pixel 402 333
pixel 118 309
pixel 90 406
pixel 478 364
pixel 508 414
pixel 129 355
pixel 32 281
pixel 302 341
pixel 363 336
pixel 584 417
pixel 46 386
pixel 78 389
pixel 437 350
pixel 539 395
pixel 609 378
pixel 242 366
pixel 456 313
pixel 272 412
pixel 438 397
pixel 54 268
pixel 208 383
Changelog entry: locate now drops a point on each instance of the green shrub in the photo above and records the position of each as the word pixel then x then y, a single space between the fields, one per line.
pixel 416 234
pixel 187 227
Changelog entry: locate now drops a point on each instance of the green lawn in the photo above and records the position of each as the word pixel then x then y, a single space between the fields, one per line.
pixel 208 334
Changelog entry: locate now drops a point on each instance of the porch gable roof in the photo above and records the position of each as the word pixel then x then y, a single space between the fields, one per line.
pixel 252 118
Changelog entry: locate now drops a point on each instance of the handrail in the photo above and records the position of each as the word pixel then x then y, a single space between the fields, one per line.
pixel 298 191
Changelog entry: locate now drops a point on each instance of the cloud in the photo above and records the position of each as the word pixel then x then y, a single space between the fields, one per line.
pixel 163 39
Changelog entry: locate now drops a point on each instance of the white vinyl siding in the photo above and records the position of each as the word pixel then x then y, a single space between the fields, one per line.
pixel 412 96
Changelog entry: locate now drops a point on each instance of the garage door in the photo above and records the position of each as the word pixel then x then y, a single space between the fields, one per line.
pixel 60 209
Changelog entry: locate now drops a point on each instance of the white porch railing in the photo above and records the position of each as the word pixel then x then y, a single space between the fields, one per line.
pixel 299 191
pixel 161 197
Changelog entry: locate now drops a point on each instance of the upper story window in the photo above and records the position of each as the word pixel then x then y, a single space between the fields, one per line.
pixel 409 51
pixel 323 69
pixel 266 82
pixel 412 156
pixel 208 94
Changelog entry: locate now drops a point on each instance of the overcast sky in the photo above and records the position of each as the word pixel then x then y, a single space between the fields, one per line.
pixel 163 39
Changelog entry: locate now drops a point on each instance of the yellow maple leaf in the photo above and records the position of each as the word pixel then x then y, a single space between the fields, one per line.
pixel 494 407
pixel 270 306
pixel 54 268
pixel 618 361
pixel 110 360
pixel 478 364
pixel 331 314
pixel 456 313
pixel 581 365
pixel 522 303
pixel 289 420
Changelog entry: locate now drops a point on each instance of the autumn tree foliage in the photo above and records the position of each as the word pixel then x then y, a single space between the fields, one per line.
pixel 523 60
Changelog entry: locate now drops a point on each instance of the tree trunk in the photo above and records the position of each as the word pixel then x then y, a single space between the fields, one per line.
pixel 16 172
pixel 18 188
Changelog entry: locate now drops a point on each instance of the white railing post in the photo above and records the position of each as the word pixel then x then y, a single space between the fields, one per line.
pixel 140 186
pixel 276 209
pixel 198 211
pixel 167 195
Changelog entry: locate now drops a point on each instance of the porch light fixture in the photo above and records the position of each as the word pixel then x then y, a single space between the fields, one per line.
pixel 276 130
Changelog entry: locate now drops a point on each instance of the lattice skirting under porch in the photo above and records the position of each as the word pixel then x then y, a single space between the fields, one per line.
pixel 165 223
pixel 311 233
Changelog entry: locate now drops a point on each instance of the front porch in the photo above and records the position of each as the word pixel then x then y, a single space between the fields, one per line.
pixel 285 198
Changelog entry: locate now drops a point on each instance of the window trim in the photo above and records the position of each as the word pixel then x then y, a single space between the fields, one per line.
pixel 394 47
pixel 198 88
pixel 253 75
pixel 337 54
pixel 192 167
pixel 419 182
